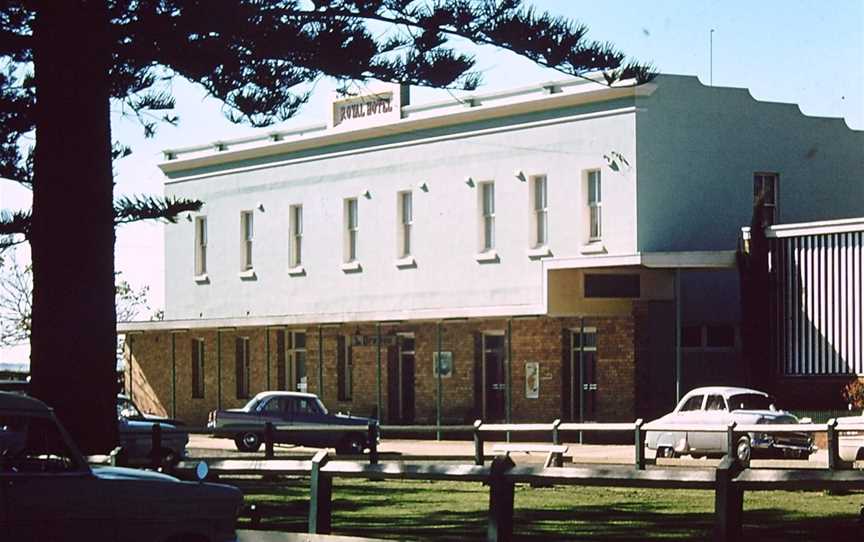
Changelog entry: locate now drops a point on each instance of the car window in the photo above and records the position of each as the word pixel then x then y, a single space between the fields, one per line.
pixel 273 406
pixel 715 402
pixel 749 401
pixel 306 406
pixel 694 403
pixel 31 444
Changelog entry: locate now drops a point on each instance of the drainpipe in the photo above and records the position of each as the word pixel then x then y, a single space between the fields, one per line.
pixel 267 353
pixel 508 374
pixel 378 374
pixel 438 386
pixel 321 362
pixel 218 369
pixel 174 375
pixel 678 362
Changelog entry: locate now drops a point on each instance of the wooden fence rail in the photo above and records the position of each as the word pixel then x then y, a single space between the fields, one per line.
pixel 729 481
pixel 481 431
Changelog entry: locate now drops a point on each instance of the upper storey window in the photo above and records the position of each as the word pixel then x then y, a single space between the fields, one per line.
pixel 246 233
pixel 487 216
pixel 200 245
pixel 595 206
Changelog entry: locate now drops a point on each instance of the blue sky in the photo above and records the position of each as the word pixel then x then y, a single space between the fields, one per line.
pixel 805 52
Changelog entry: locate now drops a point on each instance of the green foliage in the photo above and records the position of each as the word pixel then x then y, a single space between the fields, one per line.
pixel 853 393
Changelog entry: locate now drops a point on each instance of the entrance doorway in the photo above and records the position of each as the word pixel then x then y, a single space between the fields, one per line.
pixel 580 376
pixel 400 380
pixel 494 376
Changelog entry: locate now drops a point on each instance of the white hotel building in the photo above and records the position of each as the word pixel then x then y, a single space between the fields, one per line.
pixel 568 249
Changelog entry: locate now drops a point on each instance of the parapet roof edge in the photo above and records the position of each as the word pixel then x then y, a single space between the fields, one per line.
pixel 543 96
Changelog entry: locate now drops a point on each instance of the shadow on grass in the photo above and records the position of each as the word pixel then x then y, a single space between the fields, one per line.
pixel 442 511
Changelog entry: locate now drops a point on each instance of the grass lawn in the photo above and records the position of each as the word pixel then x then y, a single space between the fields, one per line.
pixel 457 511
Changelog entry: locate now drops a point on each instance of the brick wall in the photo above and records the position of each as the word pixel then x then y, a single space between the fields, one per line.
pixel 540 340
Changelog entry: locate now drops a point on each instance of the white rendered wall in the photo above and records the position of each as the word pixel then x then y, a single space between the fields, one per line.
pixel 447 280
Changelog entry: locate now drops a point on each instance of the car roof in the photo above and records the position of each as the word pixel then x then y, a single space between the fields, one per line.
pixel 16 401
pixel 725 391
pixel 263 394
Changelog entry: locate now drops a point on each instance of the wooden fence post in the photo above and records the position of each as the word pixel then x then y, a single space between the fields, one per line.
pixel 478 443
pixel 372 437
pixel 156 446
pixel 500 528
pixel 268 441
pixel 730 440
pixel 557 459
pixel 833 445
pixel 320 497
pixel 728 501
pixel 639 438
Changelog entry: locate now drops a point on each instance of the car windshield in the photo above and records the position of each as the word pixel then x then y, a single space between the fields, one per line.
pixel 321 406
pixel 749 401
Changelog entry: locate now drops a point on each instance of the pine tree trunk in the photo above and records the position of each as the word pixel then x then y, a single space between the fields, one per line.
pixel 74 322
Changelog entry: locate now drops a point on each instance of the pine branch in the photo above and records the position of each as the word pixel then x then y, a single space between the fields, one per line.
pixel 132 209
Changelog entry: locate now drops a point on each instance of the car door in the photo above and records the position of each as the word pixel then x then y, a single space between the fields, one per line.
pixel 713 414
pixel 305 411
pixel 50 494
pixel 274 410
pixel 687 415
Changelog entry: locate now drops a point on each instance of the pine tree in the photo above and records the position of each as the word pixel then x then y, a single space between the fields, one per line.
pixel 66 61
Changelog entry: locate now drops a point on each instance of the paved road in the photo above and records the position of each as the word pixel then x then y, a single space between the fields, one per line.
pixel 206 446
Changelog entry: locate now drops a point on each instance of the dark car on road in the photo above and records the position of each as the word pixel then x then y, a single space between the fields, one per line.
pixel 48 492
pixel 135 433
pixel 289 409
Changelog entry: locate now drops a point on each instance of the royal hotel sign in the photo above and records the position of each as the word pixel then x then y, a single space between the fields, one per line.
pixel 381 104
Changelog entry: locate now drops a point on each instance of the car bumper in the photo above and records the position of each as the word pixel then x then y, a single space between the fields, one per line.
pixel 783 445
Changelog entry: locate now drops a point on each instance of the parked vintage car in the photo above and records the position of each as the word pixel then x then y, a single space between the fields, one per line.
pixel 246 425
pixel 135 434
pixel 49 492
pixel 718 406
pixel 851 441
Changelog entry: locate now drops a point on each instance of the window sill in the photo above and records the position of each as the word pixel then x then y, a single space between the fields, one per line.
pixel 249 274
pixel 406 263
pixel 537 253
pixel 297 271
pixel 594 247
pixel 202 279
pixel 352 267
pixel 489 256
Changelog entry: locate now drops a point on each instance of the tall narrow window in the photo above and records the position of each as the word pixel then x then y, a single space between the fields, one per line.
pixel 595 219
pixel 291 360
pixel 351 229
pixel 246 232
pixel 406 219
pixel 487 215
pixel 241 367
pixel 765 186
pixel 344 367
pixel 200 245
pixel 197 368
pixel 296 233
pixel 540 212
pixel 297 360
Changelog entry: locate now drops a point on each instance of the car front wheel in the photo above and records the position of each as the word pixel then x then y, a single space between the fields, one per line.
pixel 248 442
pixel 743 451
